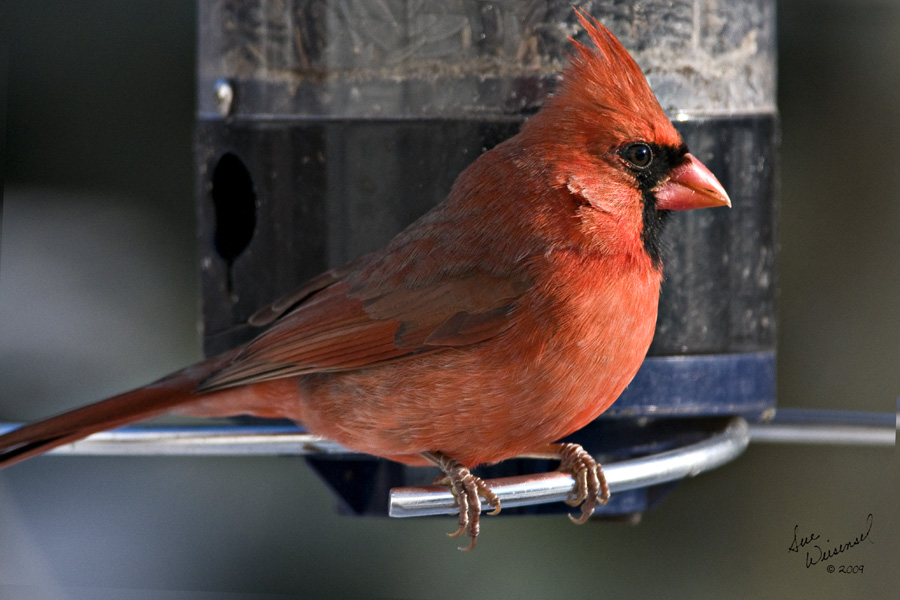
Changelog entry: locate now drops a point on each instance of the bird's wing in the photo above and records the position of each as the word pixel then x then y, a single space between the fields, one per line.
pixel 339 321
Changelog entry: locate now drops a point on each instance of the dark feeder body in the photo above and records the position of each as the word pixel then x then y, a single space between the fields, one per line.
pixel 324 130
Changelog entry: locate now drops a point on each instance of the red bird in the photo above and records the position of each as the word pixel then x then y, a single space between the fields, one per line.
pixel 509 316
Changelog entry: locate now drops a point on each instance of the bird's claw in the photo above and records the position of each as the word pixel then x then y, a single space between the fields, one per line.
pixel 590 482
pixel 466 488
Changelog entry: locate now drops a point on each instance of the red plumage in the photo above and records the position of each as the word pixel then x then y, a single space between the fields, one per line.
pixel 509 316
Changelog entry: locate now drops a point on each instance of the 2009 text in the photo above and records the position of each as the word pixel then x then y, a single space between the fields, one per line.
pixel 851 569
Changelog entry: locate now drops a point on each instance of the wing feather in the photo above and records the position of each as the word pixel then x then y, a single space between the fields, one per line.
pixel 332 325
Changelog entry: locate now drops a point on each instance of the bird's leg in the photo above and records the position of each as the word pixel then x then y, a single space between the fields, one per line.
pixel 465 488
pixel 590 482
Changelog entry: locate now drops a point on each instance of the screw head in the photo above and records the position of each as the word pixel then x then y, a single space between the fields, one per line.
pixel 224 96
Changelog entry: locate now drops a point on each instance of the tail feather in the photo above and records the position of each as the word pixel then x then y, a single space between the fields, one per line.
pixel 151 401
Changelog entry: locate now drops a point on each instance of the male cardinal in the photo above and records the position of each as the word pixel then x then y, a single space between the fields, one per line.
pixel 507 317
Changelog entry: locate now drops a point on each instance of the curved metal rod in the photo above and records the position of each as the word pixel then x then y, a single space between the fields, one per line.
pixel 225 440
pixel 263 440
pixel 555 487
pixel 796 426
pixel 789 426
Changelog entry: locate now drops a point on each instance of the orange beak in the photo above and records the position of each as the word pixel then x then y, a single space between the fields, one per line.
pixel 691 185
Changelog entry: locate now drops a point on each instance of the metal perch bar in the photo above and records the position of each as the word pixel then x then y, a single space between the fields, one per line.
pixel 789 426
pixel 225 440
pixel 801 426
pixel 796 426
pixel 555 487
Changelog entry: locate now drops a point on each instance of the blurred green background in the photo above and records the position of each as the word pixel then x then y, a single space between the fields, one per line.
pixel 98 293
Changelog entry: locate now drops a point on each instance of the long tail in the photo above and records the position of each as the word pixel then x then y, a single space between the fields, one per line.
pixel 147 402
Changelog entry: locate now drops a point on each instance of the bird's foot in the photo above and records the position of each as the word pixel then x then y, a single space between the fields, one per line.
pixel 466 488
pixel 590 482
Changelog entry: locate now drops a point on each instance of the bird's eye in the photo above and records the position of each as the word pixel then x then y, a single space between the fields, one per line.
pixel 639 155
